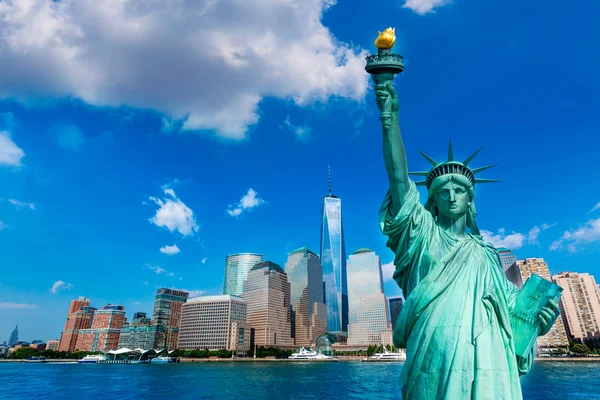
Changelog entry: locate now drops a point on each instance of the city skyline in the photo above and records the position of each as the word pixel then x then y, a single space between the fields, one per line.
pixel 100 188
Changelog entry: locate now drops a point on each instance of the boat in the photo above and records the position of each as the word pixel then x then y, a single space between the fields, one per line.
pixel 89 359
pixel 36 360
pixel 163 360
pixel 388 356
pixel 308 354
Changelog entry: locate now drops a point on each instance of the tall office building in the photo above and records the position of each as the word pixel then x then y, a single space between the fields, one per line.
pixel 14 336
pixel 367 305
pixel 215 323
pixel 518 273
pixel 579 304
pixel 333 260
pixel 168 304
pixel 80 316
pixel 507 258
pixel 237 267
pixel 267 295
pixel 396 304
pixel 308 318
pixel 140 336
pixel 105 332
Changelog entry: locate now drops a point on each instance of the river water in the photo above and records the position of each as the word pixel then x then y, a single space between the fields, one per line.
pixel 260 380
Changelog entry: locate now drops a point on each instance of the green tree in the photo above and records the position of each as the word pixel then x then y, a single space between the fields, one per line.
pixel 580 349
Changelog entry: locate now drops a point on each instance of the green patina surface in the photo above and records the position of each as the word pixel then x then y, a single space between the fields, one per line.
pixel 462 317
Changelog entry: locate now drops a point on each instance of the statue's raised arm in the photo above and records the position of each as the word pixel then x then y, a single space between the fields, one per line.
pixel 394 154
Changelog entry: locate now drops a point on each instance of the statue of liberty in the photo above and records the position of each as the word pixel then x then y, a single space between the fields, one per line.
pixel 456 324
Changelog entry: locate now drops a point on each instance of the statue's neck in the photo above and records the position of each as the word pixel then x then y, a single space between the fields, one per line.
pixel 455 227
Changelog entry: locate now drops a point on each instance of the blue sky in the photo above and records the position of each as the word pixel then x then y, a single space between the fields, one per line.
pixel 127 129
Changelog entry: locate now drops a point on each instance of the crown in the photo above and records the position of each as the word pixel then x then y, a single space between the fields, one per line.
pixel 452 167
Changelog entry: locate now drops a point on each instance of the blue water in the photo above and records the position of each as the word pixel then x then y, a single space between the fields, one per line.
pixel 342 380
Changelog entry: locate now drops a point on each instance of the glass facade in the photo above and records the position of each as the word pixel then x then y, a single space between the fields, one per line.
pixel 507 258
pixel 333 260
pixel 368 312
pixel 168 305
pixel 236 271
pixel 396 304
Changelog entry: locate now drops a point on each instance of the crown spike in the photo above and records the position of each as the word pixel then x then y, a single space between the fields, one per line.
pixel 431 160
pixel 421 183
pixel 478 170
pixel 486 180
pixel 471 157
pixel 419 173
pixel 450 155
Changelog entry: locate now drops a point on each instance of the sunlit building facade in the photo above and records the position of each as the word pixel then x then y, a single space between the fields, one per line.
pixel 367 305
pixel 80 316
pixel 333 260
pixel 237 267
pixel 168 305
pixel 507 258
pixel 105 332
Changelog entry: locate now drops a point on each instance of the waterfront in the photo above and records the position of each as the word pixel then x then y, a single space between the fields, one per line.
pixel 547 380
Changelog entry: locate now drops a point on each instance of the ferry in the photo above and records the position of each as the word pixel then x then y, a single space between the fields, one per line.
pixel 163 360
pixel 35 360
pixel 388 356
pixel 308 354
pixel 89 359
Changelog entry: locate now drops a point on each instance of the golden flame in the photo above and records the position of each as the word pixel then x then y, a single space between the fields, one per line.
pixel 386 39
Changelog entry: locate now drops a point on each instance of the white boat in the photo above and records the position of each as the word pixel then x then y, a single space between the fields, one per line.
pixel 36 360
pixel 89 359
pixel 389 356
pixel 162 360
pixel 308 354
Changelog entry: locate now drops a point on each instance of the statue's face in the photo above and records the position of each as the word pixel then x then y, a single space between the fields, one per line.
pixel 452 200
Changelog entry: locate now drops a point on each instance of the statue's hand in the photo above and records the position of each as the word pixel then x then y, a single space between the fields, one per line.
pixel 547 316
pixel 386 96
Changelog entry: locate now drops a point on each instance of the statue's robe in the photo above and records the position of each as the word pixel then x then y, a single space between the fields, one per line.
pixel 455 323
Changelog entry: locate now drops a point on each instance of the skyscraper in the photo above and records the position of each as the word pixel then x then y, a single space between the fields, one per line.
pixel 267 295
pixel 367 305
pixel 507 258
pixel 236 271
pixel 305 275
pixel 333 259
pixel 14 336
pixel 105 332
pixel 80 316
pixel 579 304
pixel 168 304
pixel 518 273
pixel 396 304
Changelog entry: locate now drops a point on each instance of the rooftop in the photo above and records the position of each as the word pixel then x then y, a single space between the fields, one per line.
pixel 222 297
pixel 269 265
pixel 363 250
pixel 303 250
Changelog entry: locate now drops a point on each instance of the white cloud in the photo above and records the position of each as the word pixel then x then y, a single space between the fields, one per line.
pixel 424 6
pixel 596 207
pixel 249 201
pixel 576 239
pixel 204 260
pixel 388 271
pixel 144 282
pixel 60 285
pixel 302 132
pixel 174 215
pixel 10 153
pixel 17 306
pixel 196 293
pixel 157 269
pixel 21 204
pixel 137 303
pixel 170 274
pixel 512 241
pixel 170 250
pixel 188 59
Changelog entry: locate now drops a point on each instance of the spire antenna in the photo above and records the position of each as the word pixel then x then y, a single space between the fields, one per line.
pixel 329 177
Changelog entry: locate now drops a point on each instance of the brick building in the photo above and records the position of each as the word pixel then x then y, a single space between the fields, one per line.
pixel 105 332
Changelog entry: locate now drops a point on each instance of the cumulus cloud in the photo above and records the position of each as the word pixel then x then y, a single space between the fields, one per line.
pixel 17 306
pixel 170 250
pixel 204 260
pixel 424 6
pixel 157 269
pixel 388 271
pixel 577 239
pixel 196 293
pixel 514 240
pixel 302 132
pixel 21 204
pixel 196 61
pixel 10 153
pixel 60 285
pixel 174 215
pixel 249 201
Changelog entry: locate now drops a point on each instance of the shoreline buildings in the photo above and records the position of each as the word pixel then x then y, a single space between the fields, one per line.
pixel 105 331
pixel 518 273
pixel 14 336
pixel 80 316
pixel 267 295
pixel 333 260
pixel 237 267
pixel 308 316
pixel 168 305
pixel 580 305
pixel 368 309
pixel 215 323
